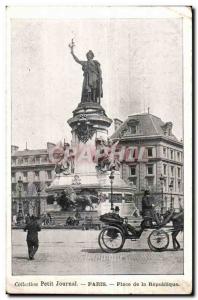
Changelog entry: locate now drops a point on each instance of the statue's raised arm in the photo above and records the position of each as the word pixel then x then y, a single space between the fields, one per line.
pixel 71 46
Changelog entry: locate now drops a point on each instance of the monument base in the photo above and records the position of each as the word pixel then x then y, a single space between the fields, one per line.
pixel 98 185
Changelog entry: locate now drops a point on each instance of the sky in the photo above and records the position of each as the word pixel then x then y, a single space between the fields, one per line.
pixel 141 62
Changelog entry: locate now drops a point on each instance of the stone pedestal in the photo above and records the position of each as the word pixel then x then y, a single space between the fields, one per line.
pixel 89 122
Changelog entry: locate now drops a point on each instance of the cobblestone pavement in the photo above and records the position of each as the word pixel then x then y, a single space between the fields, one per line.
pixel 66 252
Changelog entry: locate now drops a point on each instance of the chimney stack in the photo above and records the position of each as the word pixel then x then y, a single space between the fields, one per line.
pixel 117 123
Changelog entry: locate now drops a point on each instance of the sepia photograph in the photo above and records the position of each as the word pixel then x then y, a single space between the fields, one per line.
pixel 98 100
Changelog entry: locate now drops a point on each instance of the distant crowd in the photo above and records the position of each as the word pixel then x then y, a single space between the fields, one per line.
pixel 21 219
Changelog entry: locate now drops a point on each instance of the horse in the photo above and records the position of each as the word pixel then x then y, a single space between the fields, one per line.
pixel 83 201
pixel 177 219
pixel 69 199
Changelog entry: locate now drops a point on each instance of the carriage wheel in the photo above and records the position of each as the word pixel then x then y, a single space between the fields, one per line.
pixel 158 240
pixel 111 239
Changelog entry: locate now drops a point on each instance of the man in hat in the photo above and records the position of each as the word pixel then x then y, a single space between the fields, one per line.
pixel 148 208
pixel 117 210
pixel 147 203
pixel 32 236
pixel 131 229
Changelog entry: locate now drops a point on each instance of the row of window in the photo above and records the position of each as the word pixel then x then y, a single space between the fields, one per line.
pixel 149 182
pixel 133 129
pixel 172 154
pixel 176 185
pixel 30 160
pixel 167 153
pixel 172 171
pixel 133 170
pixel 36 175
pixel 25 186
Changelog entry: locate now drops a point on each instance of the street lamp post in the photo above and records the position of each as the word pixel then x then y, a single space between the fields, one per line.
pixel 38 202
pixel 111 177
pixel 162 186
pixel 171 189
pixel 20 186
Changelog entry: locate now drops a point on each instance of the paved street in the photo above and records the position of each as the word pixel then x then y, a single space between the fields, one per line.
pixel 64 252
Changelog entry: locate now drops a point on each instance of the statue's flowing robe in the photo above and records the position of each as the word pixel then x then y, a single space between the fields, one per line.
pixel 92 82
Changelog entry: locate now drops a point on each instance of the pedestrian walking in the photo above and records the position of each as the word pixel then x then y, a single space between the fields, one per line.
pixel 32 236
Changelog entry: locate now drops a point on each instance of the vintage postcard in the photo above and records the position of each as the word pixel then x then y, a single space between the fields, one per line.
pixel 99 158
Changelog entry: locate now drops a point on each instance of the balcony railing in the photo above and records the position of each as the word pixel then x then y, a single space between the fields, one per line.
pixel 23 164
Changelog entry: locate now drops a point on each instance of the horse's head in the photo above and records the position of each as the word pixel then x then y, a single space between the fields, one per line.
pixel 168 213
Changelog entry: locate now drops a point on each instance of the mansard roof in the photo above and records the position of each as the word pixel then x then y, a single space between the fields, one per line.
pixel 30 152
pixel 146 124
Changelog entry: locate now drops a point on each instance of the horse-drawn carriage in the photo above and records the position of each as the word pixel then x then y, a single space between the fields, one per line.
pixel 117 230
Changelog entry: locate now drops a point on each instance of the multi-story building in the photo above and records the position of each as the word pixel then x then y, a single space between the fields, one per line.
pixel 31 173
pixel 152 157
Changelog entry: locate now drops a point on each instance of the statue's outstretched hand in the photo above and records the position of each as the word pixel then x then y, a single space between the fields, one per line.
pixel 71 45
pixel 71 48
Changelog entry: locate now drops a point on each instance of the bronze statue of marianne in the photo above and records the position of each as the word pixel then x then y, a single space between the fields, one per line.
pixel 92 83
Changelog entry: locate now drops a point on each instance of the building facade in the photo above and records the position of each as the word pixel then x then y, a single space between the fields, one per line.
pixel 152 158
pixel 31 173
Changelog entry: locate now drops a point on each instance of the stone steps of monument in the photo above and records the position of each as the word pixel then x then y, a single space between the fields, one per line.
pixel 72 213
pixel 61 216
pixel 59 219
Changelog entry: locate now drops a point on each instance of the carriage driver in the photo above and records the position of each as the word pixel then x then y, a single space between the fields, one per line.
pixel 148 207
